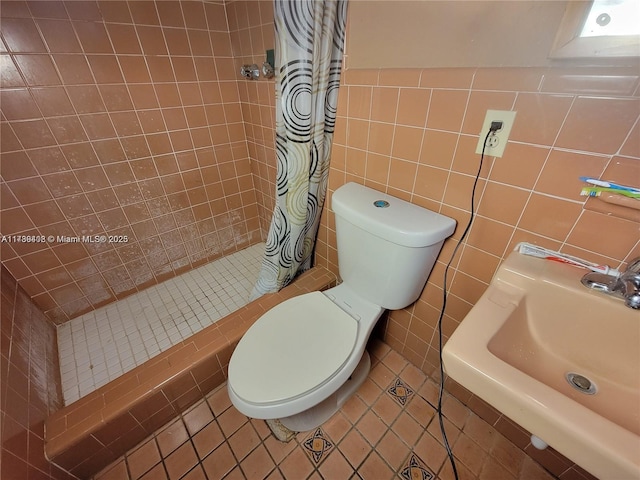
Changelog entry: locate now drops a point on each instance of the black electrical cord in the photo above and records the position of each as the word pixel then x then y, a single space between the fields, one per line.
pixel 493 129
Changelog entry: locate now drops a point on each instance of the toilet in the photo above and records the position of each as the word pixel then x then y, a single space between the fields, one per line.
pixel 303 359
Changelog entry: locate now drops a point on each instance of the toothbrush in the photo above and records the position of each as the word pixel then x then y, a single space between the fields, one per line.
pixel 605 184
pixel 597 191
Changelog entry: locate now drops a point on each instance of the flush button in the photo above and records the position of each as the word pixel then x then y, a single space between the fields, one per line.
pixel 381 204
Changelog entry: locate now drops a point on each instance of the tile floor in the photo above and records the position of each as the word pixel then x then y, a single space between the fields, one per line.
pixel 388 430
pixel 103 344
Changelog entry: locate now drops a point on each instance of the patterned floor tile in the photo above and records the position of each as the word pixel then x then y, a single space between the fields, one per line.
pixel 317 445
pixel 400 392
pixel 415 470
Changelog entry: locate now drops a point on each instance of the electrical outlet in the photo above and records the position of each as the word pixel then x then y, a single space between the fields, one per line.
pixel 493 141
pixel 498 140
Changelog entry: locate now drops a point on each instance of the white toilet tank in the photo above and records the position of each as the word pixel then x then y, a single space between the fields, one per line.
pixel 386 246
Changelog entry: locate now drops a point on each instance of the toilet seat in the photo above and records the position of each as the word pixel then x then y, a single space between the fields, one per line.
pixel 293 349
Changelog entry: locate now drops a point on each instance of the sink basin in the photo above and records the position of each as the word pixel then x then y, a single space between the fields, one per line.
pixel 560 360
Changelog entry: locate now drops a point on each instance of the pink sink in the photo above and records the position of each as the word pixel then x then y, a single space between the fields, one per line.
pixel 559 359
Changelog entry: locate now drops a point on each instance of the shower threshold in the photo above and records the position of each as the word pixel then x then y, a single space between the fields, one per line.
pixel 103 344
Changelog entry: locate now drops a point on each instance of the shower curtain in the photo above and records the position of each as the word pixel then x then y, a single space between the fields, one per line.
pixel 309 46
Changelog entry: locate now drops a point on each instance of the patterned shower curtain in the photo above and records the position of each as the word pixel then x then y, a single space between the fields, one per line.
pixel 309 46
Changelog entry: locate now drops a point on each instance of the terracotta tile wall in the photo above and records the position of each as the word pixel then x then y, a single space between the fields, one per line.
pixel 413 134
pixel 252 34
pixel 119 119
pixel 30 384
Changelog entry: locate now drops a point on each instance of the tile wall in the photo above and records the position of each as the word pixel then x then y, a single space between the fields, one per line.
pixel 121 119
pixel 30 384
pixel 413 133
pixel 252 34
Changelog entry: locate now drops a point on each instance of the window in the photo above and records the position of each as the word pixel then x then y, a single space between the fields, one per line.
pixel 602 28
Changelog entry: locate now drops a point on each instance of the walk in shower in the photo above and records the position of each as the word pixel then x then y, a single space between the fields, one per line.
pixel 130 121
pixel 103 344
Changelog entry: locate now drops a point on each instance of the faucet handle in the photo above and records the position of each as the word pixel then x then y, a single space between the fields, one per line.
pixel 634 266
pixel 599 281
pixel 633 301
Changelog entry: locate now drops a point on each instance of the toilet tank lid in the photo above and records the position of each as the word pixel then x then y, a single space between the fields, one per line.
pixel 389 217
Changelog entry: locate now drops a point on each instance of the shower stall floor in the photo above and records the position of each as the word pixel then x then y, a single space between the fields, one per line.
pixel 101 345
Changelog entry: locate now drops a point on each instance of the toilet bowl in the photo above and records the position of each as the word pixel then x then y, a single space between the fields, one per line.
pixel 301 360
pixel 305 358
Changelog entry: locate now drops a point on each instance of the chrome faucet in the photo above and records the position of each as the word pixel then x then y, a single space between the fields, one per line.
pixel 626 286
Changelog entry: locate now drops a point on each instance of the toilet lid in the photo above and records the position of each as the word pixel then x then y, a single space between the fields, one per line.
pixel 292 349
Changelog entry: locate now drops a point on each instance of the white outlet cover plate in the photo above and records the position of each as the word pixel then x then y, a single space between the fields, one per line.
pixel 507 118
